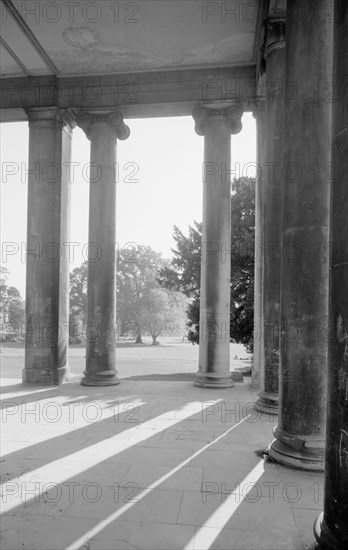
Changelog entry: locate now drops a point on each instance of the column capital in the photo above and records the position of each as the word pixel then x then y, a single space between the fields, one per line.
pixel 43 116
pixel 114 118
pixel 231 112
pixel 274 35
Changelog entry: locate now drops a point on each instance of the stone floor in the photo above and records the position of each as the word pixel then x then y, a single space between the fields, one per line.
pixel 152 463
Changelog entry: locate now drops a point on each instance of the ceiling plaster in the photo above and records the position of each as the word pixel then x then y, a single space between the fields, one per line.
pixel 162 34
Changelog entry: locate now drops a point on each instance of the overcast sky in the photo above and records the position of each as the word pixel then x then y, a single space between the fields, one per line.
pixel 159 185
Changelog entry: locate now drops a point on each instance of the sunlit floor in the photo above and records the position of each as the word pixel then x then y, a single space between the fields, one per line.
pixel 152 463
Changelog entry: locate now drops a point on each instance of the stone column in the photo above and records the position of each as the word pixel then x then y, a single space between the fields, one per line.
pixel 102 129
pixel 47 283
pixel 300 434
pixel 258 359
pixel 272 192
pixel 216 123
pixel 331 528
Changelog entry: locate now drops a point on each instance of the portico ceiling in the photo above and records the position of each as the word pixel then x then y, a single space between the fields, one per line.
pixel 106 37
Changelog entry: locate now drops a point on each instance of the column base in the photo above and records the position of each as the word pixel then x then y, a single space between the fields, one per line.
pixel 46 376
pixel 211 380
pixel 267 403
pixel 102 378
pixel 296 452
pixel 325 538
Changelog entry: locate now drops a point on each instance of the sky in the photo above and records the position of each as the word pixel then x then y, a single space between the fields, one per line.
pixel 159 185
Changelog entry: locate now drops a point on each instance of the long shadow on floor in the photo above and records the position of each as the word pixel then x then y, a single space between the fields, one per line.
pixel 161 483
pixel 121 415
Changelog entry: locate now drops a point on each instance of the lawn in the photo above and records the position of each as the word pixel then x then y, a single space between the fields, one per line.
pixel 169 357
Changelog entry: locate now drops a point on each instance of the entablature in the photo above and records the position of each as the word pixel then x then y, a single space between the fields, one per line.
pixel 139 95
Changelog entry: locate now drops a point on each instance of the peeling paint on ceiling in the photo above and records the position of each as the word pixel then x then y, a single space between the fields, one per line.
pixel 80 37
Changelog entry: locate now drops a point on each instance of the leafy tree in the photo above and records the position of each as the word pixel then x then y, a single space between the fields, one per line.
pixel 12 314
pixel 16 309
pixel 142 305
pixel 165 312
pixel 136 288
pixel 184 272
pixel 185 269
pixel 78 291
pixel 242 260
pixel 78 300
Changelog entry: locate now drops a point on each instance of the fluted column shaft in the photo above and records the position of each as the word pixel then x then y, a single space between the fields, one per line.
pixel 47 273
pixel 272 192
pixel 331 529
pixel 216 124
pixel 300 434
pixel 102 129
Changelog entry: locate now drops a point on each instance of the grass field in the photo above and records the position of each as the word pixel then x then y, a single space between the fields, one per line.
pixel 172 356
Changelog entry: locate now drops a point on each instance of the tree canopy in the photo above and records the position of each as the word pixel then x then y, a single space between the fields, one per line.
pixel 12 314
pixel 142 304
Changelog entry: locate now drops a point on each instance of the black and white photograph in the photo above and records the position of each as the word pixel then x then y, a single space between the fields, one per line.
pixel 174 274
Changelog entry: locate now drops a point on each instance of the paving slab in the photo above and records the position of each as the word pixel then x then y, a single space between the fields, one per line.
pixel 152 463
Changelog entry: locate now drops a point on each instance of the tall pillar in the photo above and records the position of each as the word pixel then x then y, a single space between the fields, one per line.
pixel 102 129
pixel 258 356
pixel 47 282
pixel 216 122
pixel 331 528
pixel 272 181
pixel 300 434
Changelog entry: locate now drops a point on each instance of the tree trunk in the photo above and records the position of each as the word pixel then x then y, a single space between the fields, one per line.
pixel 154 338
pixel 139 338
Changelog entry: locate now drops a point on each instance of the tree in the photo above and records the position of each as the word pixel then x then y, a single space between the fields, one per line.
pixel 12 314
pixel 78 291
pixel 142 305
pixel 78 301
pixel 136 288
pixel 185 268
pixel 165 312
pixel 16 309
pixel 242 261
pixel 184 272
